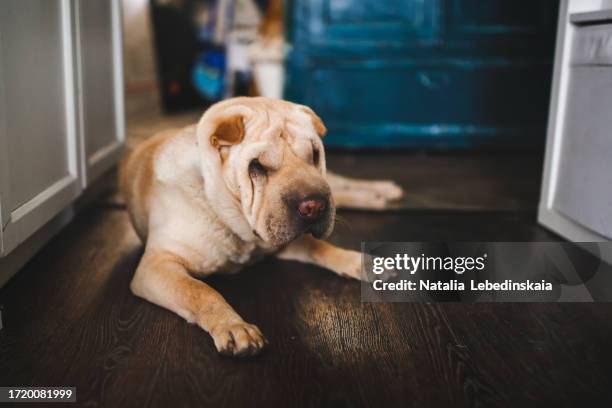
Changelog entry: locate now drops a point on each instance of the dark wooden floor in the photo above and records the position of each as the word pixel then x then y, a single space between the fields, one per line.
pixel 466 181
pixel 69 319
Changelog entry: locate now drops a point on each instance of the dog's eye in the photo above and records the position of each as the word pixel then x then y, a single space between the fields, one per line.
pixel 256 168
pixel 316 156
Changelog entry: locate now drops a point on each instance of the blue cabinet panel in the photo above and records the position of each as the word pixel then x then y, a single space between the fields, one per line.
pixel 336 27
pixel 526 26
pixel 499 17
pixel 423 72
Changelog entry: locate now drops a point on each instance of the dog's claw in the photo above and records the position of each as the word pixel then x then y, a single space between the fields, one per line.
pixel 238 339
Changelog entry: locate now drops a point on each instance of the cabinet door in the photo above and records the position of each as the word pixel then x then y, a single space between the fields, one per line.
pixel 38 144
pixel 415 73
pixel 98 26
pixel 360 27
pixel 518 27
pixel 576 199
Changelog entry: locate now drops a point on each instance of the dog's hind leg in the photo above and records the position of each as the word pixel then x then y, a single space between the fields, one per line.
pixel 162 278
pixel 363 194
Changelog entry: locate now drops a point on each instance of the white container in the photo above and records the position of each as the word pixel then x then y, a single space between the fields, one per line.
pixel 268 68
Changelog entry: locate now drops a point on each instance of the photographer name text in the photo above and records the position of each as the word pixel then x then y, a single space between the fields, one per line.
pixel 455 285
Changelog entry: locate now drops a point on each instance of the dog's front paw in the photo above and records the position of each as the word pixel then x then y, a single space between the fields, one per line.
pixel 371 195
pixel 238 339
pixel 387 189
pixel 348 264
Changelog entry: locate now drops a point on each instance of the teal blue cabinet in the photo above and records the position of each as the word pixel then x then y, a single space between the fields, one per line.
pixel 423 73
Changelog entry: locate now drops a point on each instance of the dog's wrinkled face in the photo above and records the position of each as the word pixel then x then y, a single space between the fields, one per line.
pixel 273 165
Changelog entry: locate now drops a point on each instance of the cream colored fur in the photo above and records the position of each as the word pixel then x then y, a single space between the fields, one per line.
pixel 200 209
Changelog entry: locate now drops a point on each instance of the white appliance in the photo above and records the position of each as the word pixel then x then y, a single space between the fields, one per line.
pixel 576 200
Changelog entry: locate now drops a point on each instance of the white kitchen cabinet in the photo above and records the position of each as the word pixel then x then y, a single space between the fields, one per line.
pixel 576 197
pixel 38 136
pixel 61 108
pixel 98 25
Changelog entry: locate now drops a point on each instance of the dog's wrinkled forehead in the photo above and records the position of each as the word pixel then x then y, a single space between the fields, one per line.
pixel 260 127
pixel 291 124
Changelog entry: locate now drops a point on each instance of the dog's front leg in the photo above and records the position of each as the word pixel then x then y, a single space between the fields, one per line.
pixel 307 249
pixel 163 279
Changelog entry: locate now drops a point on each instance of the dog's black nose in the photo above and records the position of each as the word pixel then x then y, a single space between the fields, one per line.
pixel 312 209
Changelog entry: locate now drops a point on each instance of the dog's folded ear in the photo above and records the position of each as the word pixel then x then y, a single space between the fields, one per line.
pixel 222 125
pixel 316 121
pixel 228 131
